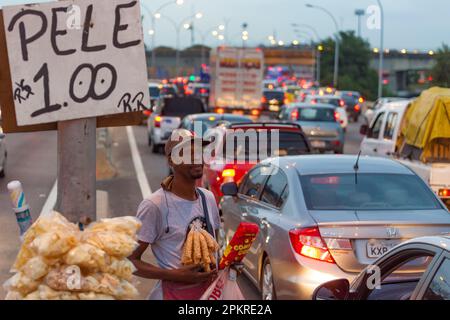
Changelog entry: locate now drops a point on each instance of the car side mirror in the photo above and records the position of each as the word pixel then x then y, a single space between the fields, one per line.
pixel 229 188
pixel 333 290
pixel 364 129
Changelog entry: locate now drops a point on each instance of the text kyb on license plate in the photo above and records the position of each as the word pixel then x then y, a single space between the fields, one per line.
pixel 318 144
pixel 376 249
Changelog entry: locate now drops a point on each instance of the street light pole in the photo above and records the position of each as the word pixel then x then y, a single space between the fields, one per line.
pixel 336 48
pixel 359 13
pixel 177 31
pixel 381 52
pixel 153 24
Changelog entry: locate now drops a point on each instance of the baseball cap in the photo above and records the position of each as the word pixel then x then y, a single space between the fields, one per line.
pixel 181 138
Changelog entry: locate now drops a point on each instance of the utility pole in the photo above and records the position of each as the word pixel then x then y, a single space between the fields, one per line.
pixel 359 13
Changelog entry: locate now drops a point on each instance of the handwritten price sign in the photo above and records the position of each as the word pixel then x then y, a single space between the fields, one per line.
pixel 75 59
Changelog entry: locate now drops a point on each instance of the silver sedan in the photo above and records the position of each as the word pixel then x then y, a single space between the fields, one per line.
pixel 326 217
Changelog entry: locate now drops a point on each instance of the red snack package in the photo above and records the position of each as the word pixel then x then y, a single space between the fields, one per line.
pixel 239 245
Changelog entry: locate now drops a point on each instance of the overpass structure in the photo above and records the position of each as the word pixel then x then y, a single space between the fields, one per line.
pixel 405 73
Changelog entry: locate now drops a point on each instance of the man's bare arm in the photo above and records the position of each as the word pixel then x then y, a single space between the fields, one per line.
pixel 189 274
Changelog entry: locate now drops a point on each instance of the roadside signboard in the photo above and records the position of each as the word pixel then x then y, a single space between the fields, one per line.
pixel 71 60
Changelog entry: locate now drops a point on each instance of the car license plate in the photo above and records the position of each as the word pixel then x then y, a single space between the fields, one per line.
pixel 274 108
pixel 376 248
pixel 318 144
pixel 168 120
pixel 238 112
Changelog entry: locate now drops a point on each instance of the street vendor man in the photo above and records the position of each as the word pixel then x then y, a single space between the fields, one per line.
pixel 168 214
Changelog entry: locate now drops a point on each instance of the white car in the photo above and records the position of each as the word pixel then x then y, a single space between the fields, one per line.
pixel 370 112
pixel 167 117
pixel 335 101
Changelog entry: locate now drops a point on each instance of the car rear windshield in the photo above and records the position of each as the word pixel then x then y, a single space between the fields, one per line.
pixel 349 100
pixel 245 148
pixel 316 114
pixel 367 191
pixel 180 107
pixel 278 95
pixel 168 90
pixel 334 102
pixel 154 91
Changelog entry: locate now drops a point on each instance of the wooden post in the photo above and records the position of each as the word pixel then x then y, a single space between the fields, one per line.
pixel 76 197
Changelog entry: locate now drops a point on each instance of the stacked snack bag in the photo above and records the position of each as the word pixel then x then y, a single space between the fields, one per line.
pixel 58 261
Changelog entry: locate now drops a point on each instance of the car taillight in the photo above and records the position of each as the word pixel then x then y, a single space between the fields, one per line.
pixel 147 112
pixel 263 100
pixel 255 112
pixel 357 108
pixel 157 122
pixel 309 243
pixel 444 193
pixel 228 173
pixel 337 116
pixel 361 100
pixel 220 111
pixel 341 103
pixel 295 115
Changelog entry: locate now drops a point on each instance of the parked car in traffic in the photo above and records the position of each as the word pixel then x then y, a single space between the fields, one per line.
pixel 371 110
pixel 336 102
pixel 233 160
pixel 154 89
pixel 324 217
pixel 168 116
pixel 320 122
pixel 272 100
pixel 353 102
pixel 202 122
pixel 431 280
pixel 417 134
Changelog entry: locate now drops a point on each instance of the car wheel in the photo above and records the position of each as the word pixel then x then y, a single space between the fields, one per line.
pixel 2 172
pixel 267 287
pixel 155 147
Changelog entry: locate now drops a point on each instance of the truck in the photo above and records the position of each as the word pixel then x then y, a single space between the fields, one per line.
pixel 417 134
pixel 236 80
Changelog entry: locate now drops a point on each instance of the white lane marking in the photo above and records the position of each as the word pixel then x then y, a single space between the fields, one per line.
pixel 137 161
pixel 51 200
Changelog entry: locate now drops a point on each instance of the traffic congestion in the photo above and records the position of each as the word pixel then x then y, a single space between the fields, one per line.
pixel 339 177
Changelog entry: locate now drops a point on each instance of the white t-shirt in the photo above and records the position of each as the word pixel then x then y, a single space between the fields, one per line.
pixel 164 209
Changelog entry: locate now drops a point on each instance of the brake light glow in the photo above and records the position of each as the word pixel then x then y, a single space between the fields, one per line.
pixel 263 100
pixel 147 112
pixel 255 112
pixel 228 173
pixel 357 107
pixel 295 115
pixel 444 193
pixel 309 243
pixel 157 122
pixel 341 103
pixel 220 111
pixel 337 116
pixel 361 100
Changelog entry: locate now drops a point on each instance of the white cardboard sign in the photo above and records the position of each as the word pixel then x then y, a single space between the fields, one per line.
pixel 76 59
